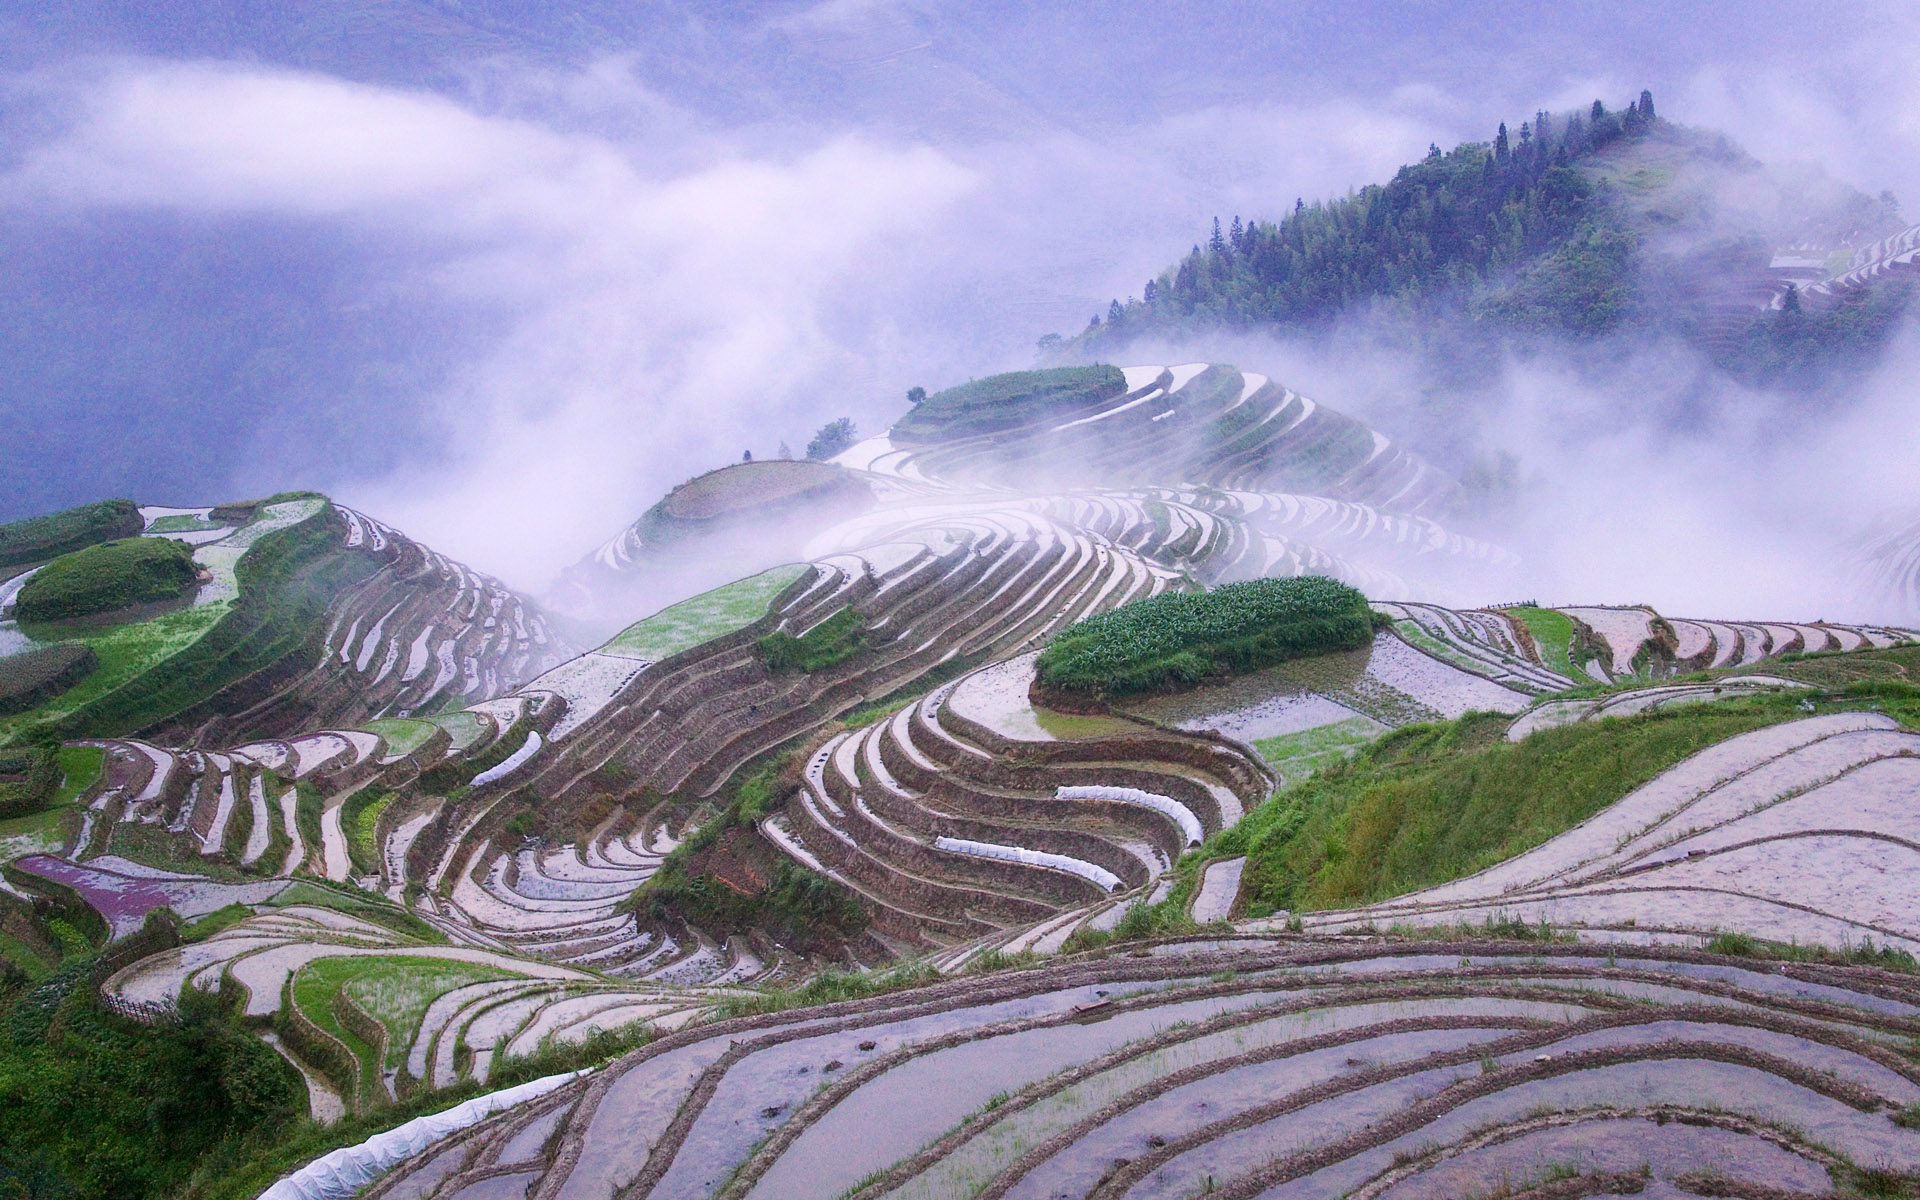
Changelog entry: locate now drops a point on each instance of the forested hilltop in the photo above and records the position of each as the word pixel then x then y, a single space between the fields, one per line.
pixel 1580 223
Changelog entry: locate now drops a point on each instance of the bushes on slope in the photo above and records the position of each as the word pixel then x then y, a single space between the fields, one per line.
pixel 98 1107
pixel 1430 803
pixel 1180 638
pixel 106 578
pixel 38 539
pixel 832 641
pixel 1001 402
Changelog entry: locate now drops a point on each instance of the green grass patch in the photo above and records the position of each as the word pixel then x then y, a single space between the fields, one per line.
pixel 1434 802
pixel 79 767
pixel 1178 639
pixel 107 578
pixel 359 819
pixel 1001 402
pixel 313 988
pixel 214 922
pixel 37 539
pixel 403 736
pixel 1552 634
pixel 183 523
pixel 1295 756
pixel 396 990
pixel 831 642
pixel 125 652
pixel 704 617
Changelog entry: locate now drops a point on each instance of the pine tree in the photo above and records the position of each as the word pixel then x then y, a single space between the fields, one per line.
pixel 1237 236
pixel 1646 105
pixel 1500 150
pixel 1151 291
pixel 1217 243
pixel 1599 112
pixel 1113 311
pixel 1790 303
pixel 916 394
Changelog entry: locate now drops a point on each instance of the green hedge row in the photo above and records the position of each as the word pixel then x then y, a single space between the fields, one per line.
pixel 1180 638
pixel 38 539
pixel 106 578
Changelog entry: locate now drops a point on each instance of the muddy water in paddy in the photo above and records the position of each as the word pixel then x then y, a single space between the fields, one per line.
pixel 1619 1146
pixel 500 1187
pixel 758 1093
pixel 1074 1170
pixel 1864 1137
pixel 1240 1152
pixel 1262 704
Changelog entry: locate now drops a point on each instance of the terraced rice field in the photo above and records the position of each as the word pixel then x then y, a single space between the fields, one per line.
pixel 1257 1068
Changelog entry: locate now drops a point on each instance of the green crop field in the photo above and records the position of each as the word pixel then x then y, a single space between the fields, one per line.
pixel 706 616
pixel 1180 638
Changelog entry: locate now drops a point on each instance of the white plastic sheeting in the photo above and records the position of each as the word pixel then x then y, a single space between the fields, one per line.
pixel 1033 858
pixel 1189 824
pixel 344 1172
pixel 513 762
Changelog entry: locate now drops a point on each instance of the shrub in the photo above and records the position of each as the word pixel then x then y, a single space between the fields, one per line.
pixel 37 539
pixel 107 577
pixel 832 641
pixel 1180 638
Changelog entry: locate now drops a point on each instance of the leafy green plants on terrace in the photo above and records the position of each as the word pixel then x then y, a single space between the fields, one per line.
pixel 1429 803
pixel 1177 639
pixel 107 578
pixel 827 644
pixel 37 539
pixel 1001 402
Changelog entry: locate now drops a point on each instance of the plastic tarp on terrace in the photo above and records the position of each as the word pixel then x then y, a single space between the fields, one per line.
pixel 344 1172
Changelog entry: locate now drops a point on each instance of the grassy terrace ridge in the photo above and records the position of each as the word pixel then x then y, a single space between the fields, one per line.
pixel 1430 803
pixel 1552 634
pixel 1001 402
pixel 125 652
pixel 37 539
pixel 106 578
pixel 704 617
pixel 1178 639
pixel 748 486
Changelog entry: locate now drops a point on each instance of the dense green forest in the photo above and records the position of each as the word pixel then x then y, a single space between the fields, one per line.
pixel 1531 233
pixel 1449 221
